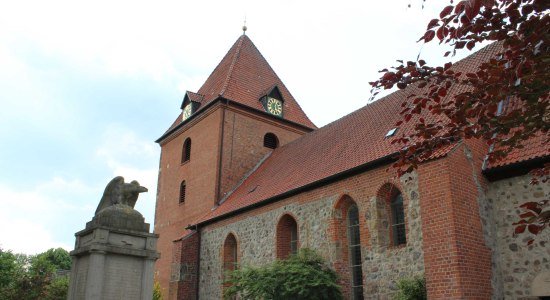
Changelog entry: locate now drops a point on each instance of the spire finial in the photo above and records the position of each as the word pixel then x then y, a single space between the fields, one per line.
pixel 244 26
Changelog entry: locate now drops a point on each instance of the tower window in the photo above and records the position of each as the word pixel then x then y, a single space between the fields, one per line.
pixel 398 220
pixel 182 192
pixel 271 141
pixel 186 150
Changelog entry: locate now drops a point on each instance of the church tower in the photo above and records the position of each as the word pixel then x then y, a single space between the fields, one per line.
pixel 240 114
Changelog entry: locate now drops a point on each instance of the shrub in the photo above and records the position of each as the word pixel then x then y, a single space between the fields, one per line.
pixel 412 288
pixel 302 276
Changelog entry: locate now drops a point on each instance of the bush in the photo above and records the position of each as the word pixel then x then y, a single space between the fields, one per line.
pixel 412 289
pixel 302 276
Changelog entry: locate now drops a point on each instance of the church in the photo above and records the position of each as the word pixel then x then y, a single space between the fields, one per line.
pixel 246 178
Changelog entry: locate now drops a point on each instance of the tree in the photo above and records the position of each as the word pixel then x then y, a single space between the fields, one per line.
pixel 25 277
pixel 505 102
pixel 302 276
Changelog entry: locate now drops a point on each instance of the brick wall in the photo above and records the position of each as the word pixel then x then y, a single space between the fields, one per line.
pixel 243 144
pixel 199 173
pixel 184 277
pixel 242 149
pixel 457 260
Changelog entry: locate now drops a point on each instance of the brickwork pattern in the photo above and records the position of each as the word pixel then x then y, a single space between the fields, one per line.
pixel 184 277
pixel 457 259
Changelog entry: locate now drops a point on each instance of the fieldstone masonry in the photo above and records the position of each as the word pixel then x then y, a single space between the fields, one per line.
pixel 115 254
pixel 256 236
pixel 517 268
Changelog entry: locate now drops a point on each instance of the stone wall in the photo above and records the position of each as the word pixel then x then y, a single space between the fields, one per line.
pixel 314 212
pixel 516 264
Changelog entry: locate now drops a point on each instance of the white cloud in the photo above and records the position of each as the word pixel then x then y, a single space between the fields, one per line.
pixel 32 221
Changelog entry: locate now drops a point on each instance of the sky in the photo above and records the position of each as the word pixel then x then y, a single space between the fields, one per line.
pixel 87 87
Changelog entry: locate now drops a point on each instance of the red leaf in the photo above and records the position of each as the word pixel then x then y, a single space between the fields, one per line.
pixel 446 11
pixel 442 92
pixel 530 242
pixel 527 215
pixel 432 24
pixel 422 84
pixel 408 117
pixel 534 229
pixel 428 36
pixel 470 45
pixel 520 229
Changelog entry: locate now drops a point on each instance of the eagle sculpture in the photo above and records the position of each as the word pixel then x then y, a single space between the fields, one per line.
pixel 118 192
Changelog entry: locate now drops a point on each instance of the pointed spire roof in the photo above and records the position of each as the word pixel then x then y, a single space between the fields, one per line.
pixel 244 76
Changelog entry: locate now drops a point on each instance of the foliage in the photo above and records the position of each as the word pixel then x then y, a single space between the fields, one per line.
pixel 302 276
pixel 534 218
pixel 57 289
pixel 412 289
pixel 157 292
pixel 25 277
pixel 505 101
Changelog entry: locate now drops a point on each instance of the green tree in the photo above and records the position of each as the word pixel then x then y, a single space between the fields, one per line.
pixel 25 277
pixel 302 276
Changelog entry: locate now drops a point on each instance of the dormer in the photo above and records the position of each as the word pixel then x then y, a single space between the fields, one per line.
pixel 273 102
pixel 191 102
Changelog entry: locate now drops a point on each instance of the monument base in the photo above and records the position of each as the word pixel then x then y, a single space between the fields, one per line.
pixel 114 257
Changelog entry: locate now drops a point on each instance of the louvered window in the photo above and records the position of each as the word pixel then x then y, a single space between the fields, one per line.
pixel 271 141
pixel 354 242
pixel 182 192
pixel 186 152
pixel 398 220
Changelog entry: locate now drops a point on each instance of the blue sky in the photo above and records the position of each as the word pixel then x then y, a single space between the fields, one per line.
pixel 86 88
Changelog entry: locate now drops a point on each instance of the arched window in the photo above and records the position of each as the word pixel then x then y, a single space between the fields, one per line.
pixel 186 151
pixel 354 245
pixel 182 192
pixel 230 258
pixel 398 220
pixel 271 141
pixel 287 237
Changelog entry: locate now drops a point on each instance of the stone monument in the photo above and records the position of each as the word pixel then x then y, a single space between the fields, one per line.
pixel 115 254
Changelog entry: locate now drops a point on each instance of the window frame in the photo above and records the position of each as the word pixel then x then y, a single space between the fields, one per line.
pixel 186 151
pixel 183 190
pixel 354 249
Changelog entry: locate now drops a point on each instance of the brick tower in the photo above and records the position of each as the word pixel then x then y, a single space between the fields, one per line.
pixel 228 127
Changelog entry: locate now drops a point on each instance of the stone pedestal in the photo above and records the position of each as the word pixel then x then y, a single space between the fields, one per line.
pixel 114 257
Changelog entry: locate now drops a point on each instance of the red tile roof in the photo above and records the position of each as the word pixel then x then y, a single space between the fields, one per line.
pixel 243 76
pixel 536 147
pixel 352 141
pixel 194 96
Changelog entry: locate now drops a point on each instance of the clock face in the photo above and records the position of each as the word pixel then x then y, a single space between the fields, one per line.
pixel 186 111
pixel 274 106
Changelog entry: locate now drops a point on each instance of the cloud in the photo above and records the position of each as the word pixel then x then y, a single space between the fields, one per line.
pixel 45 216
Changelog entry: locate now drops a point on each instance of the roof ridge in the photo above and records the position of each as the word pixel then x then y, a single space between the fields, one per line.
pixel 231 67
